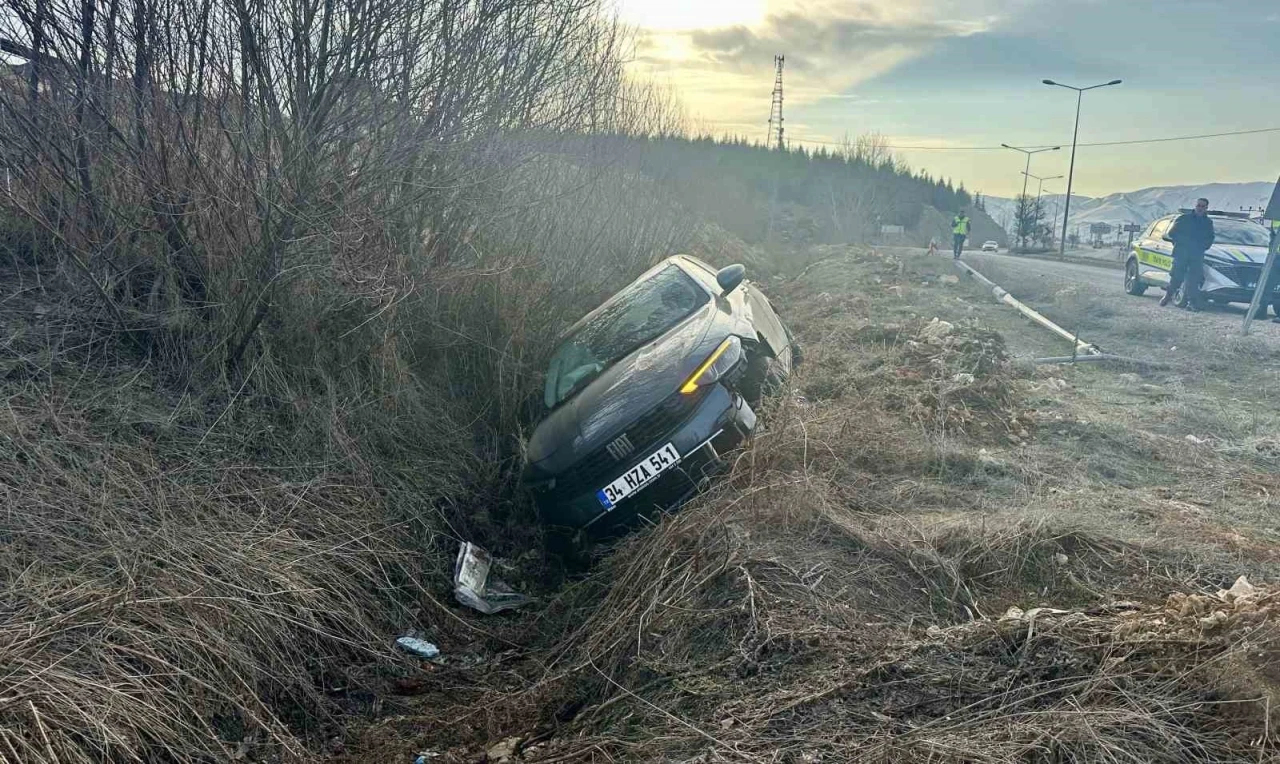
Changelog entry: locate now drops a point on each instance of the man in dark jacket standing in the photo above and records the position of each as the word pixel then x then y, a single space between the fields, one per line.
pixel 1191 234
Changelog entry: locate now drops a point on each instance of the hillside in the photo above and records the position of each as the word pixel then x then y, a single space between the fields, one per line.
pixel 1144 205
pixel 799 198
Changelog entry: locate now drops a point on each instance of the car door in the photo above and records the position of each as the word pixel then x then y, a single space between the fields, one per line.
pixel 1155 255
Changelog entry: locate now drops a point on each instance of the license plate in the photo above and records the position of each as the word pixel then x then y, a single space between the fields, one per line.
pixel 639 476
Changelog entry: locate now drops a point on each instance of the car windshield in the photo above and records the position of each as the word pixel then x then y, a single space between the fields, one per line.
pixel 1240 232
pixel 638 315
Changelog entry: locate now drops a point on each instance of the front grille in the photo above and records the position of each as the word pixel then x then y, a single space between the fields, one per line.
pixel 600 466
pixel 1241 273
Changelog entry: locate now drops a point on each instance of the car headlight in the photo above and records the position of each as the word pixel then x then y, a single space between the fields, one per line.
pixel 721 360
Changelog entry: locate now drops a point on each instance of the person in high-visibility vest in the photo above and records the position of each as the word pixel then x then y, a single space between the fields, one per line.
pixel 959 232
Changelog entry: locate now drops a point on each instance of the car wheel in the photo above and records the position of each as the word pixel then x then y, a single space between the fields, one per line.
pixel 1261 312
pixel 572 547
pixel 1133 283
pixel 760 378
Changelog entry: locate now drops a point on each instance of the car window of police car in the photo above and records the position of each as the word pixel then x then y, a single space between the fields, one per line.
pixel 1244 233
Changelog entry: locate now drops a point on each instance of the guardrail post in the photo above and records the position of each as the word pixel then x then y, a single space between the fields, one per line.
pixel 1264 282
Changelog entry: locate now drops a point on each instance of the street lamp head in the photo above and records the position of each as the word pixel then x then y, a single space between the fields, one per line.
pixel 1055 148
pixel 1049 82
pixel 1007 146
pixel 1115 82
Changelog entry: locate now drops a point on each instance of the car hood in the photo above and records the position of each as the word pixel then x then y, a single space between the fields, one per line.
pixel 1237 253
pixel 624 391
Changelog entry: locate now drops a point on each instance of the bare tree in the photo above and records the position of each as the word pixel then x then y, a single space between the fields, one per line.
pixel 203 162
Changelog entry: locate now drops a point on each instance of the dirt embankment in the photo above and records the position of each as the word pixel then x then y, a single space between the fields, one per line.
pixel 933 552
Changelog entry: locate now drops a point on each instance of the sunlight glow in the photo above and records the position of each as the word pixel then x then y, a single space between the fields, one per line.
pixel 690 14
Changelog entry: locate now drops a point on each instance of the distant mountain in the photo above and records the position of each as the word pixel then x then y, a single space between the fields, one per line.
pixel 1144 205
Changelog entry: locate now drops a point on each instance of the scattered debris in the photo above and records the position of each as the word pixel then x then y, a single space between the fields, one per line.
pixel 417 647
pixel 504 751
pixel 964 378
pixel 950 279
pixel 1016 613
pixel 987 460
pixel 473 587
pixel 1213 620
pixel 1240 591
pixel 936 331
pixel 1193 440
pixel 1061 558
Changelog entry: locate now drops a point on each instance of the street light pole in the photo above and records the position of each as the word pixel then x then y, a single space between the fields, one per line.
pixel 1040 188
pixel 1062 252
pixel 1027 172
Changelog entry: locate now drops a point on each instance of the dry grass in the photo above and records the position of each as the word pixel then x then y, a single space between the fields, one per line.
pixel 848 593
pixel 182 580
pixel 777 621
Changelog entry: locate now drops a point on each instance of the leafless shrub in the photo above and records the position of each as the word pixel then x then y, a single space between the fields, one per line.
pixel 335 237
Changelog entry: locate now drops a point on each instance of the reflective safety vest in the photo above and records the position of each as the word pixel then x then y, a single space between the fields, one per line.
pixel 960 226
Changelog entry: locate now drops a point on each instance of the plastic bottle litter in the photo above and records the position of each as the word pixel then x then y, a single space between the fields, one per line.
pixel 418 647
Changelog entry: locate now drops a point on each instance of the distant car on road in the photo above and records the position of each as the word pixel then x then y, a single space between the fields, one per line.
pixel 990 246
pixel 646 392
pixel 1232 266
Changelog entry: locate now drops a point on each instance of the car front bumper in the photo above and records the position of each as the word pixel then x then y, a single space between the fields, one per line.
pixel 719 423
pixel 1235 282
pixel 1235 293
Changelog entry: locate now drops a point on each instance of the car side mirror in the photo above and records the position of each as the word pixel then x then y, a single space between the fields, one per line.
pixel 730 277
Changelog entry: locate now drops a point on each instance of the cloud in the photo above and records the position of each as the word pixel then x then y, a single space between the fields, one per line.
pixel 832 48
pixel 725 74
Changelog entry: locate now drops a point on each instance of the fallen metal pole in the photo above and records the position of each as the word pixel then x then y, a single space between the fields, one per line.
pixel 1013 302
pixel 1101 357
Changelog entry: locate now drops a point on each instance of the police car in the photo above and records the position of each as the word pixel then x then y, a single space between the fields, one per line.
pixel 1232 266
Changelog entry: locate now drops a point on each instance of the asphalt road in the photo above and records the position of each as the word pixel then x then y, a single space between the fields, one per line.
pixel 1095 275
pixel 1091 299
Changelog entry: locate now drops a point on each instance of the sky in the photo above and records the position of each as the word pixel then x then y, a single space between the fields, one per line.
pixel 955 75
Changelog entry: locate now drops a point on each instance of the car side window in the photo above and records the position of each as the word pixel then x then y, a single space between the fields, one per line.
pixel 1158 230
